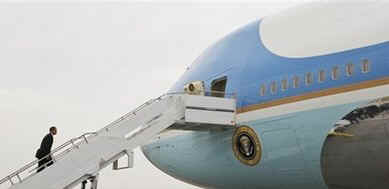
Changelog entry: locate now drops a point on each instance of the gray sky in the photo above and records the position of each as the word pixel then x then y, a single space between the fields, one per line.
pixel 79 66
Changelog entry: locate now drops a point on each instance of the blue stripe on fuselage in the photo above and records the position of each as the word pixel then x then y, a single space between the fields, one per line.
pixel 247 63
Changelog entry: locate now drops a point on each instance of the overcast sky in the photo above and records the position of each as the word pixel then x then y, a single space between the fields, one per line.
pixel 79 66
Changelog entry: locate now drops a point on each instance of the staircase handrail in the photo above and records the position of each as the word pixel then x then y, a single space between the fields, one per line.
pixel 133 112
pixel 74 142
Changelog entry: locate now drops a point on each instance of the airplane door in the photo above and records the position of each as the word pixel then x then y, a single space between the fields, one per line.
pixel 218 87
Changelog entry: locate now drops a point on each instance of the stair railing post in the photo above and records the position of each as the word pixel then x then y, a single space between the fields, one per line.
pixel 18 176
pixel 94 181
pixel 73 144
pixel 84 137
pixel 83 184
pixel 10 180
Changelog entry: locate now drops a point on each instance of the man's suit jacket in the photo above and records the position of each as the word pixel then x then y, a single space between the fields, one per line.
pixel 46 144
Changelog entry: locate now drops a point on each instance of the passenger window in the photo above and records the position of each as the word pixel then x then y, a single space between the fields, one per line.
pixel 296 82
pixel 308 78
pixel 284 84
pixel 262 91
pixel 322 76
pixel 350 69
pixel 273 87
pixel 365 66
pixel 335 73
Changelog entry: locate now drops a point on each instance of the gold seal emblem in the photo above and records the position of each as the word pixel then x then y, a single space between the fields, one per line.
pixel 246 146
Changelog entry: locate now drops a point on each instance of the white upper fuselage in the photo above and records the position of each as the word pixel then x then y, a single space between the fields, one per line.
pixel 326 27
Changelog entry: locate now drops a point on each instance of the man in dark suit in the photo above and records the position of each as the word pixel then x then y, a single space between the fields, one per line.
pixel 45 149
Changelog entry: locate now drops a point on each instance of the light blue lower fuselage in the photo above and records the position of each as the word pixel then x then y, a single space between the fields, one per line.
pixel 291 153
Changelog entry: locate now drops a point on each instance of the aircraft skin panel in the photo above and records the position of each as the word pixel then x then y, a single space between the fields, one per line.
pixel 326 27
pixel 298 128
pixel 291 144
pixel 250 64
pixel 316 103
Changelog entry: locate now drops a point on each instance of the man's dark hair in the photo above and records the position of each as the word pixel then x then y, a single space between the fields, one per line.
pixel 52 128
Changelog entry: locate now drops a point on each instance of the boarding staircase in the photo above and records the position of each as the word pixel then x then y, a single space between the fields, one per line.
pixel 82 158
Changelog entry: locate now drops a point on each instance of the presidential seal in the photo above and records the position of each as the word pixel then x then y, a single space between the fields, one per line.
pixel 246 146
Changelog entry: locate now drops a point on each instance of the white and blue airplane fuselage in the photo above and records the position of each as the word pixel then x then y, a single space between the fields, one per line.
pixel 295 75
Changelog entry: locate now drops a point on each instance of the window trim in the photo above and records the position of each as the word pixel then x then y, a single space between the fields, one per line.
pixel 284 84
pixel 308 79
pixel 296 82
pixel 273 87
pixel 322 76
pixel 262 90
pixel 349 69
pixel 335 73
pixel 368 67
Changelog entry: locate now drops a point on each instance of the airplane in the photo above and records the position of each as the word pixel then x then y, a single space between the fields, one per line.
pixel 298 76
pixel 311 86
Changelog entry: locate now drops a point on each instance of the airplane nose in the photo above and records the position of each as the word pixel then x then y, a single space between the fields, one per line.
pixel 356 154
